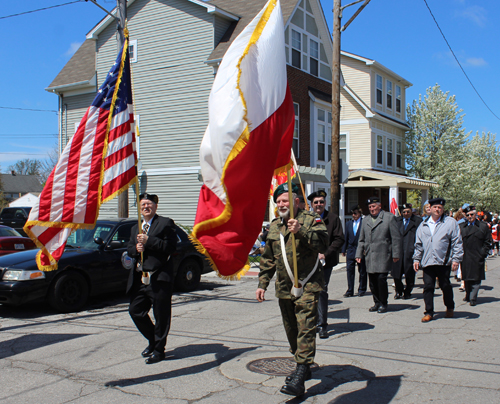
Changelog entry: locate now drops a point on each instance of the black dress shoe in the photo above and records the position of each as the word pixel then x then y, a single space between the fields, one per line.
pixel 348 294
pixel 382 309
pixel 397 296
pixel 374 308
pixel 147 352
pixel 323 333
pixel 361 294
pixel 465 299
pixel 472 303
pixel 155 358
pixel 406 297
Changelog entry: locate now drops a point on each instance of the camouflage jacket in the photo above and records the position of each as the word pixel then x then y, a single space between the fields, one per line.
pixel 311 239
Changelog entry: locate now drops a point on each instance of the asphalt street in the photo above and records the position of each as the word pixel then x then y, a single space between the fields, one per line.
pixel 220 330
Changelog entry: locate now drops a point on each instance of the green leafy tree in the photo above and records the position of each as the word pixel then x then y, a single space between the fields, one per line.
pixel 435 143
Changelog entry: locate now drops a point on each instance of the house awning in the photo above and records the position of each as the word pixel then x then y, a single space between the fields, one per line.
pixel 377 179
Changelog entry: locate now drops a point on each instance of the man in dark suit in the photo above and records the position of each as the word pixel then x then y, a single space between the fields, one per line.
pixel 380 244
pixel 407 224
pixel 151 283
pixel 352 230
pixel 330 258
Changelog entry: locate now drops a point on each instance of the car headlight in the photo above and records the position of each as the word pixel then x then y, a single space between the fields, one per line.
pixel 22 275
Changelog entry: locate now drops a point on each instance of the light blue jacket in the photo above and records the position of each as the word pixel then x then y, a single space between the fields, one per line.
pixel 441 248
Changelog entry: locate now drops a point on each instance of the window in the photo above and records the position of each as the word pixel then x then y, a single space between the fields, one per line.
pixel 379 89
pixel 343 147
pixel 389 94
pixel 132 50
pixel 399 157
pixel 295 144
pixel 389 152
pixel 324 135
pixel 380 150
pixel 313 60
pixel 398 99
pixel 296 48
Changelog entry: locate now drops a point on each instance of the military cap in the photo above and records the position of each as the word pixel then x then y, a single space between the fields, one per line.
pixel 437 201
pixel 469 208
pixel 284 188
pixel 373 199
pixel 465 205
pixel 406 206
pixel 317 194
pixel 149 197
pixel 355 207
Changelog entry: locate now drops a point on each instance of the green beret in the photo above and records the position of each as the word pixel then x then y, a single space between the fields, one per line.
pixel 284 188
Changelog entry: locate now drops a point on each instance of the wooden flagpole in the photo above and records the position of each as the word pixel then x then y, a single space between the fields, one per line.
pixel 294 249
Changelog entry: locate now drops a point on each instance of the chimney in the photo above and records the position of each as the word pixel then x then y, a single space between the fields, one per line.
pixel 13 172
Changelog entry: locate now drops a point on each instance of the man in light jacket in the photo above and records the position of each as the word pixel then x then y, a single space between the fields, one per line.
pixel 438 250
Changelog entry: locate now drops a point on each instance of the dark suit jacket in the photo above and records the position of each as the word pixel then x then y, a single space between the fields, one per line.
pixel 477 243
pixel 351 240
pixel 405 264
pixel 335 238
pixel 162 242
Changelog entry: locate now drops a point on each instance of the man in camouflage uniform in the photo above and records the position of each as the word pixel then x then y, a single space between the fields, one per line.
pixel 299 311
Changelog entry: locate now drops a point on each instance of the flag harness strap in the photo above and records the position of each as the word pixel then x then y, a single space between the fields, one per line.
pixel 297 292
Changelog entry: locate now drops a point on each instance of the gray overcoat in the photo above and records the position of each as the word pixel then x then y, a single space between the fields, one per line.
pixel 379 242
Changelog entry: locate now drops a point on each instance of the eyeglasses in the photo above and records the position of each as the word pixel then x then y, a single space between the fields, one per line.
pixel 318 202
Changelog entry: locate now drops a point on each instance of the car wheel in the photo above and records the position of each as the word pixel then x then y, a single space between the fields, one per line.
pixel 188 275
pixel 69 293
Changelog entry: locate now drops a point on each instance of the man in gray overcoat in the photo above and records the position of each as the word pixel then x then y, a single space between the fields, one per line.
pixel 476 236
pixel 380 244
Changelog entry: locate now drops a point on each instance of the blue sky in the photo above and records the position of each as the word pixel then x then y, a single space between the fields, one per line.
pixel 398 34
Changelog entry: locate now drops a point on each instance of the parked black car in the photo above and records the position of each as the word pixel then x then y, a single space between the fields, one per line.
pixel 90 265
pixel 15 218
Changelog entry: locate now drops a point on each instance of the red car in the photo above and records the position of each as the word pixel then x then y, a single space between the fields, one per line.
pixel 11 241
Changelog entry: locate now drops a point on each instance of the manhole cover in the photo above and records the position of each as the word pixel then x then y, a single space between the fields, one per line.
pixel 275 366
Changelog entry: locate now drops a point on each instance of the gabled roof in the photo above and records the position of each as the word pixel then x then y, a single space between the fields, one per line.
pixel 372 62
pixel 15 184
pixel 246 10
pixel 94 32
pixel 79 70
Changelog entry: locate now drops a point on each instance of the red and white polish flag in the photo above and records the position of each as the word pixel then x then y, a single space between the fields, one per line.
pixel 248 140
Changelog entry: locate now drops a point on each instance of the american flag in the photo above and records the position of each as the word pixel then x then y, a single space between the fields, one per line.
pixel 97 164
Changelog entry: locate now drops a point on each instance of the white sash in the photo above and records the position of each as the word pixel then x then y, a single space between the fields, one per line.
pixel 297 292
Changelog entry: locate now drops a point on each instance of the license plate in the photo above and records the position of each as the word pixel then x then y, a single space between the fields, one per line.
pixel 19 246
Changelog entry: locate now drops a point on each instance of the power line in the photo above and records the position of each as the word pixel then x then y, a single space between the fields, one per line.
pixel 33 136
pixel 453 53
pixel 40 9
pixel 25 154
pixel 30 109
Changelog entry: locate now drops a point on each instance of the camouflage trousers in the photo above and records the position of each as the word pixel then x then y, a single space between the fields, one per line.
pixel 299 319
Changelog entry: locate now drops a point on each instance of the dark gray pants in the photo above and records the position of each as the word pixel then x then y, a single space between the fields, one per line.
pixel 323 299
pixel 471 290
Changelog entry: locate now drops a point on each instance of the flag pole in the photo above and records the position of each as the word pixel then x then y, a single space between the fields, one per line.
pixel 294 249
pixel 139 227
pixel 296 168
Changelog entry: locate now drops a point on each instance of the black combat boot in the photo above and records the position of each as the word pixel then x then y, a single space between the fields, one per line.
pixel 289 378
pixel 296 386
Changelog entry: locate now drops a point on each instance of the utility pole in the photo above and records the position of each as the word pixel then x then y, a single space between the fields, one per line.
pixel 121 9
pixel 335 158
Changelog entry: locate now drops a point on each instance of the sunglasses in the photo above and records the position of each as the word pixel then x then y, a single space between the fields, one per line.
pixel 319 203
pixel 470 214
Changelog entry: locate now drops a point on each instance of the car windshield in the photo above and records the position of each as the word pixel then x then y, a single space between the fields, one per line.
pixel 84 238
pixel 13 213
pixel 8 232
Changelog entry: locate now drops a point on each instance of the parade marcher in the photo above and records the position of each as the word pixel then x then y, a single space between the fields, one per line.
pixel 299 307
pixel 476 237
pixel 408 224
pixel 330 258
pixel 352 230
pixel 380 244
pixel 426 212
pixel 438 250
pixel 151 284
pixel 495 234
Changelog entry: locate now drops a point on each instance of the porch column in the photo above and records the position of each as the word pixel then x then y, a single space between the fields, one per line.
pixel 425 196
pixel 342 203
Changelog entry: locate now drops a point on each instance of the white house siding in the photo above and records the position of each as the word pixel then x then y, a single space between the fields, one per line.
pixel 359 143
pixel 357 77
pixel 73 110
pixel 171 88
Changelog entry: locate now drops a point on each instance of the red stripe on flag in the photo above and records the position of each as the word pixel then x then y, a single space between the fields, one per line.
pixel 120 130
pixel 45 200
pixel 120 155
pixel 115 184
pixel 230 243
pixel 96 165
pixel 48 234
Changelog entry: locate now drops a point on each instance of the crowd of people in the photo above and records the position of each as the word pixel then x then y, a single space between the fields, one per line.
pixel 438 243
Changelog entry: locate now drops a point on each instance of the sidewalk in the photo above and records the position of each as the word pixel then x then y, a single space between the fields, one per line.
pixel 220 331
